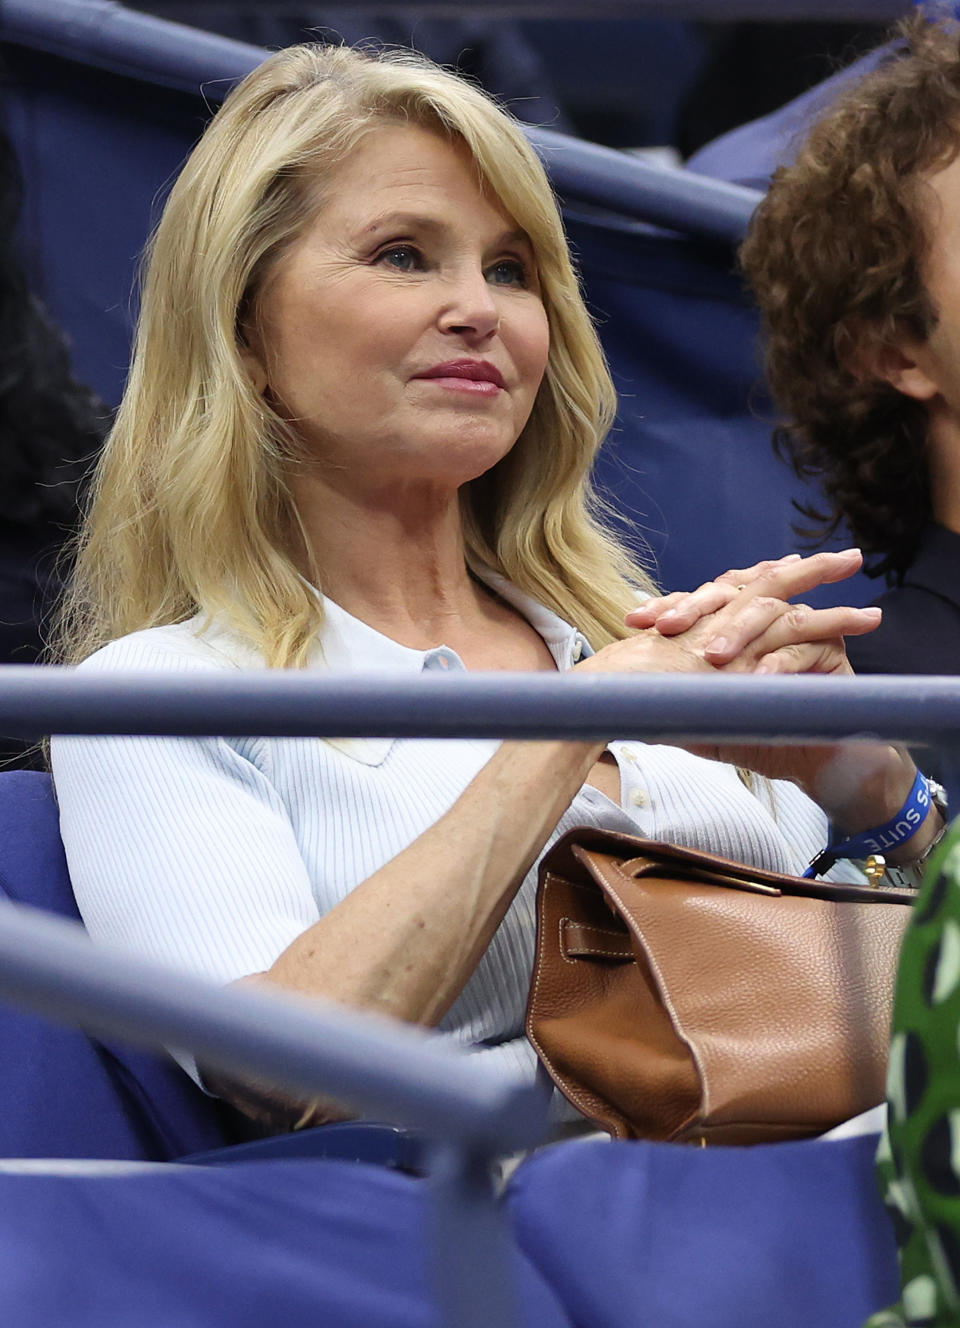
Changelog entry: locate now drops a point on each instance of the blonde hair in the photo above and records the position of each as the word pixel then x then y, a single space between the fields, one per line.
pixel 190 509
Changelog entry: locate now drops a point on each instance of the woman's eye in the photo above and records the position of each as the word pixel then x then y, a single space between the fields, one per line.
pixel 508 272
pixel 402 257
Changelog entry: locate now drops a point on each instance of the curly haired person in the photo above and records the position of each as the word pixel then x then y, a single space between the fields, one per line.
pixel 855 262
pixel 855 259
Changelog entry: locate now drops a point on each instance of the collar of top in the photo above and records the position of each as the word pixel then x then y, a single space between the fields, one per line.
pixel 347 645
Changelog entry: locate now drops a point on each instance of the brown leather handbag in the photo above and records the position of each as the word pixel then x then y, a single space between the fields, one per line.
pixel 680 996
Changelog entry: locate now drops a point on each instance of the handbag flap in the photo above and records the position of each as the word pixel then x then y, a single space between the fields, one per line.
pixel 635 856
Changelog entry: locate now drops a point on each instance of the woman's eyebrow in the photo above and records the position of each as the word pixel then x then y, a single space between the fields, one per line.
pixel 401 222
pixel 517 236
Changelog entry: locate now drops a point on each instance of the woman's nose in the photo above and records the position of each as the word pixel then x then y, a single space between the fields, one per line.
pixel 471 307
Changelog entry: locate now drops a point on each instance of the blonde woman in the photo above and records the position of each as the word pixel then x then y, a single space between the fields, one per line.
pixel 358 433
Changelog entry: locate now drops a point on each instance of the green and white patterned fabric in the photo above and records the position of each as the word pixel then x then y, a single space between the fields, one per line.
pixel 919 1155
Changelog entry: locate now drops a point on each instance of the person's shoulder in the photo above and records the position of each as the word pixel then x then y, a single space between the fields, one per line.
pixel 912 607
pixel 176 647
pixel 920 633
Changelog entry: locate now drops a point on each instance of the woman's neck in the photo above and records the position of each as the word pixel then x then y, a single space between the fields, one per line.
pixel 397 561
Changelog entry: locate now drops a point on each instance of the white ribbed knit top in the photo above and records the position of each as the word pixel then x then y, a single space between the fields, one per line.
pixel 212 855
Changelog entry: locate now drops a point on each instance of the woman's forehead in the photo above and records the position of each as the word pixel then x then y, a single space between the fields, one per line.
pixel 401 173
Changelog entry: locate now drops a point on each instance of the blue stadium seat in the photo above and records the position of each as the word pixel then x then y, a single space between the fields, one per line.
pixel 750 153
pixel 316 1243
pixel 788 1234
pixel 67 1095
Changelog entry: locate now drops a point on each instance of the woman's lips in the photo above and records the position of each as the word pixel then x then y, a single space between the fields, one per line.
pixel 470 376
pixel 477 386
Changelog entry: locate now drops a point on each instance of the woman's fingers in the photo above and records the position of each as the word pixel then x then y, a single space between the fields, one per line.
pixel 737 628
pixel 739 577
pixel 781 578
pixel 737 623
pixel 767 626
pixel 676 613
pixel 753 609
pixel 786 579
pixel 810 657
pixel 679 611
pixel 647 613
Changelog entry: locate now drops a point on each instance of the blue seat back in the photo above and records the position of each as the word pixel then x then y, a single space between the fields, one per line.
pixel 65 1094
pixel 751 153
pixel 689 462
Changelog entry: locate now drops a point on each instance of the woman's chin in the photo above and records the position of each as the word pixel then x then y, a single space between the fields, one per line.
pixel 457 458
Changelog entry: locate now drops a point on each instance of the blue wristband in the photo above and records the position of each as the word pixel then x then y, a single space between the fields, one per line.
pixel 884 838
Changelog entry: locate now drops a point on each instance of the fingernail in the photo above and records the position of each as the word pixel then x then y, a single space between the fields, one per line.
pixel 873 612
pixel 790 558
pixel 718 646
pixel 846 553
pixel 763 668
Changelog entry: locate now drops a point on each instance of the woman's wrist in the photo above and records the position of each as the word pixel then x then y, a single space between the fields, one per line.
pixel 880 805
pixel 902 837
pixel 863 785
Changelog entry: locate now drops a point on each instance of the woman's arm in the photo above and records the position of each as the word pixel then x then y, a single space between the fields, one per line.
pixel 405 941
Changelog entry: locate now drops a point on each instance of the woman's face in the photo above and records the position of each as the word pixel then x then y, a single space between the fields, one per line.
pixel 403 334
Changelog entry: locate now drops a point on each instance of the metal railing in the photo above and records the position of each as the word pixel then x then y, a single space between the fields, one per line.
pixel 396 1072
pixel 654 707
pixel 774 11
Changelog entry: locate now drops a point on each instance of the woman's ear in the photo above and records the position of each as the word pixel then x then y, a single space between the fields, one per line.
pixel 256 370
pixel 252 354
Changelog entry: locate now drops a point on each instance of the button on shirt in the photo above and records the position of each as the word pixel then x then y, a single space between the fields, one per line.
pixel 213 855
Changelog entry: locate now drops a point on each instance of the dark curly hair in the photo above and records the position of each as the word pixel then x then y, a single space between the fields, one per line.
pixel 835 255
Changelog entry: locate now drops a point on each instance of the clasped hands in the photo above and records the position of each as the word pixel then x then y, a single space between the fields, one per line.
pixel 743 621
